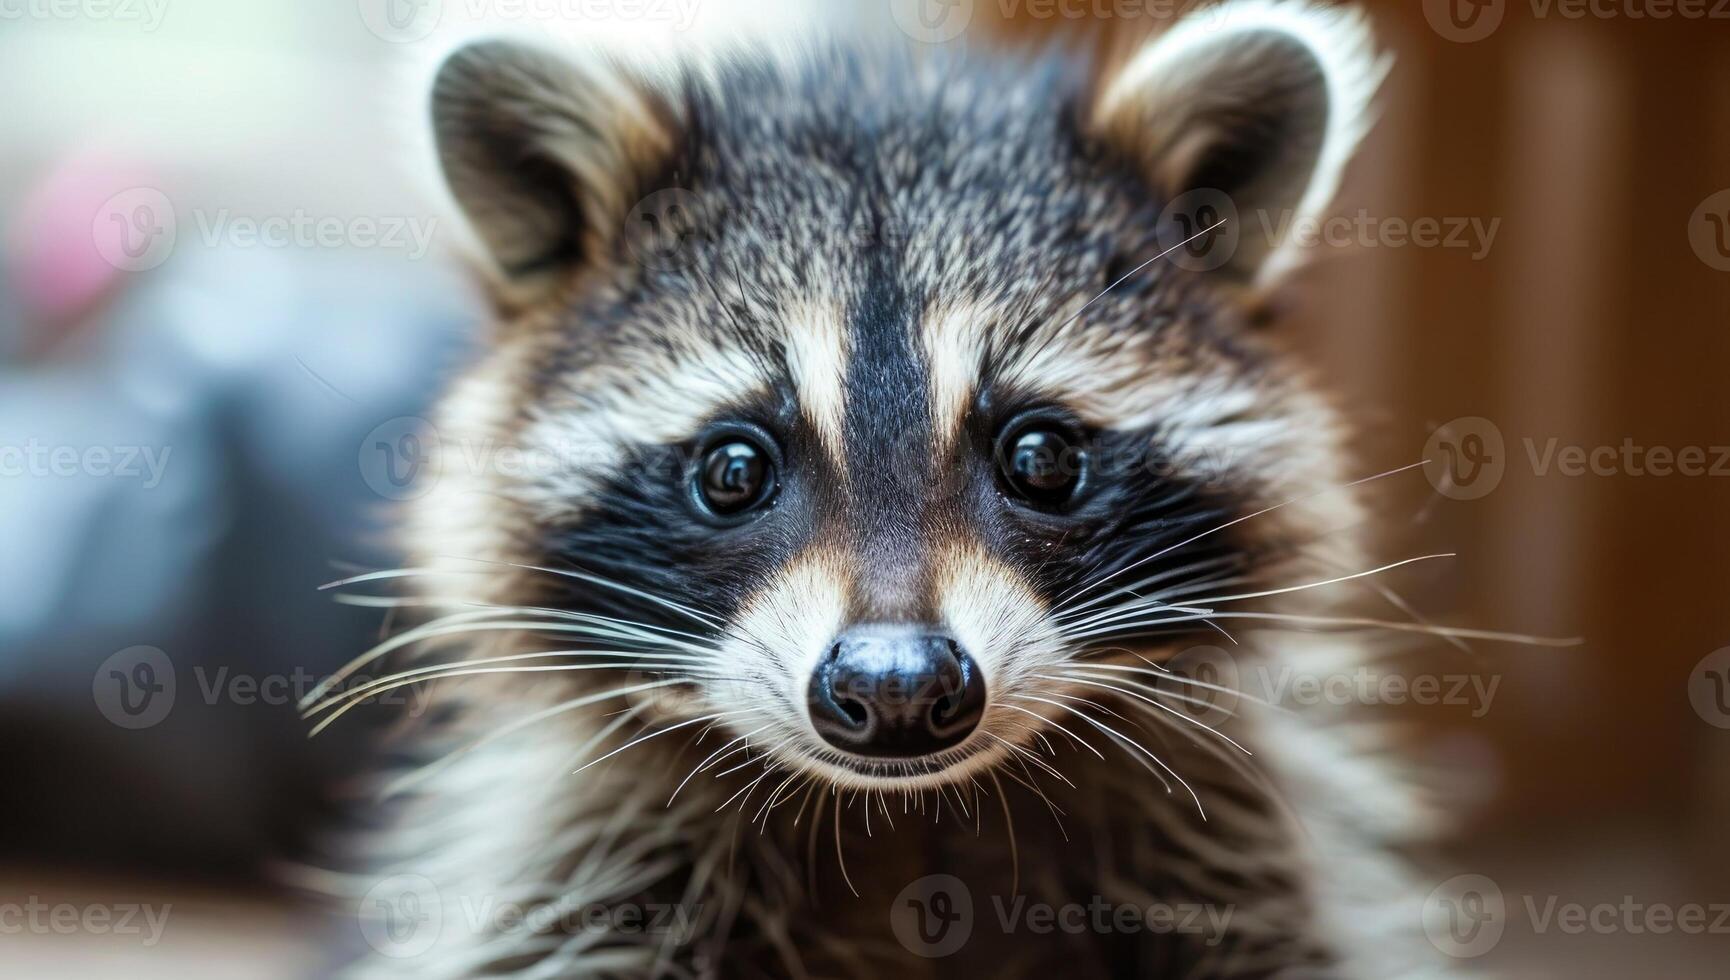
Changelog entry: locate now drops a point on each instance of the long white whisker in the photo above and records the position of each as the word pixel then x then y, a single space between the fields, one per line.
pixel 1232 523
pixel 1163 707
pixel 644 738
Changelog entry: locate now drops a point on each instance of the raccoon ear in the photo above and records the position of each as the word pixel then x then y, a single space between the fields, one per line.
pixel 545 152
pixel 1245 112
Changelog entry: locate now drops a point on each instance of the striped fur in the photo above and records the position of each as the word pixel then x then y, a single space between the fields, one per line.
pixel 894 252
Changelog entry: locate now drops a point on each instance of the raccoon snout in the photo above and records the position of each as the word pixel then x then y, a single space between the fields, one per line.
pixel 896 693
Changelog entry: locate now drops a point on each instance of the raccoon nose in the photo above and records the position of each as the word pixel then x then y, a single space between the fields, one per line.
pixel 896 694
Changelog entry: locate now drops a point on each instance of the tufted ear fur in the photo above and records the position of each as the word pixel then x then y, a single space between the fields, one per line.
pixel 546 152
pixel 1244 112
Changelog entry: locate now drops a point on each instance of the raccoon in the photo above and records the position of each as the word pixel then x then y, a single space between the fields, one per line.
pixel 893 422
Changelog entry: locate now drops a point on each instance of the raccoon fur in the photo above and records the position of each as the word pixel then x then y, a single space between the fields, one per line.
pixel 894 449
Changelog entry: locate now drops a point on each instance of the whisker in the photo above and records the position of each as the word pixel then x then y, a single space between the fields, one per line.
pixel 1126 740
pixel 1014 850
pixel 644 738
pixel 1232 523
pixel 469 623
pixel 630 658
pixel 713 756
pixel 439 765
pixel 344 709
pixel 1163 707
pixel 1047 721
pixel 1348 623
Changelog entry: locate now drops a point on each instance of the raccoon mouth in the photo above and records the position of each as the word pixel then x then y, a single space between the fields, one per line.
pixel 909 772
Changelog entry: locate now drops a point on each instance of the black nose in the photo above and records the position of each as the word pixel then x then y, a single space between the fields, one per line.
pixel 896 694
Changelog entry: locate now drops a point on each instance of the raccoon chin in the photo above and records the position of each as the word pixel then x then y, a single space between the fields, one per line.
pixel 971 759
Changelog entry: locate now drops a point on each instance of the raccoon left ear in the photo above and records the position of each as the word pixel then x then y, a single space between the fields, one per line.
pixel 1246 112
pixel 546 151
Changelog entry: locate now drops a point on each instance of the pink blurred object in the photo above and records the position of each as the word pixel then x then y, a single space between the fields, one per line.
pixel 56 246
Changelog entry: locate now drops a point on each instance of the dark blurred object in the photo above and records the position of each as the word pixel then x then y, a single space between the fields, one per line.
pixel 173 496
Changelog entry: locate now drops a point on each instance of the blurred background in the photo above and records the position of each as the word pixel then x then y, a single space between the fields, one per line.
pixel 226 295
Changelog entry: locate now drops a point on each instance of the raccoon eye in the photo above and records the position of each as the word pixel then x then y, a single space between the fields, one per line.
pixel 1042 463
pixel 735 476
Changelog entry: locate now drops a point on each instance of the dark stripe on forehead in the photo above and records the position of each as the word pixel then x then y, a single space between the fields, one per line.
pixel 888 438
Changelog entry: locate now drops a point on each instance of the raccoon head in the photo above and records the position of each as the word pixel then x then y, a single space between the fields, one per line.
pixel 873 395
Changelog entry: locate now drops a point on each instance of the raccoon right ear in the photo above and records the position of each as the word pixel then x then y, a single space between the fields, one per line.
pixel 545 152
pixel 1246 111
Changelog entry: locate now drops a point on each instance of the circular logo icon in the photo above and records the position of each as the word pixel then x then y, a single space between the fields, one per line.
pixel 401 21
pixel 932 21
pixel 933 916
pixel 1465 916
pixel 1466 458
pixel 664 230
pixel 1203 683
pixel 400 459
pixel 658 699
pixel 135 687
pixel 401 915
pixel 1709 230
pixel 135 229
pixel 1709 688
pixel 1199 229
pixel 1464 21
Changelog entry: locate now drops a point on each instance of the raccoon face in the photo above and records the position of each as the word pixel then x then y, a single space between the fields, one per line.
pixel 878 400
